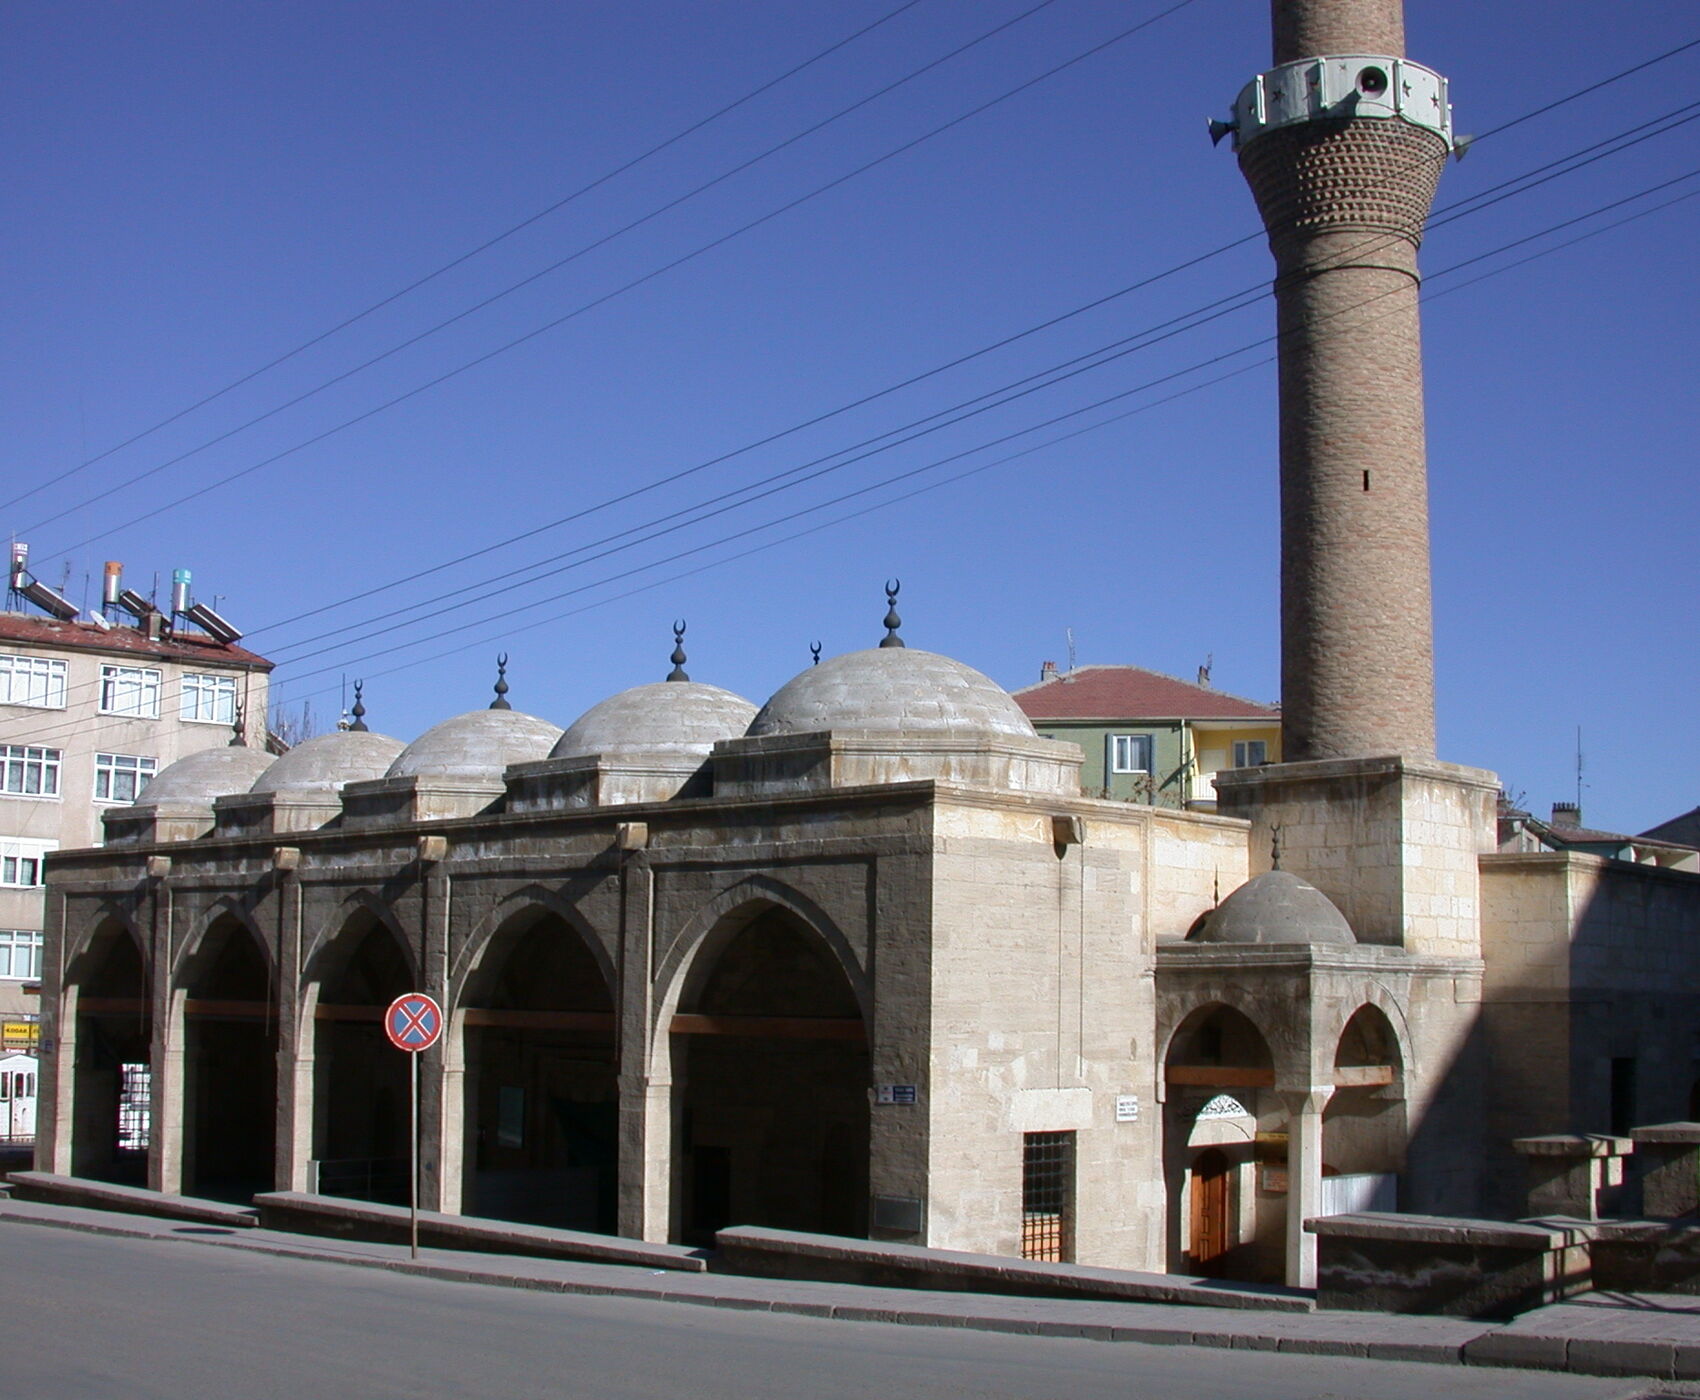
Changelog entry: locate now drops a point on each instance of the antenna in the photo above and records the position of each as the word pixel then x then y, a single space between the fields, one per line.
pixel 1578 769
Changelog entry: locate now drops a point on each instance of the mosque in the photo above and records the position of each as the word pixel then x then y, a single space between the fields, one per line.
pixel 865 960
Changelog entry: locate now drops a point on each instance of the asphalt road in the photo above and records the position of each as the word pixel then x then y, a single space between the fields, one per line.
pixel 87 1317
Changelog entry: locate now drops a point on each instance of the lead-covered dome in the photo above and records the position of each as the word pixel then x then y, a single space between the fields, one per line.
pixel 1275 907
pixel 668 717
pixel 478 745
pixel 196 779
pixel 893 690
pixel 327 761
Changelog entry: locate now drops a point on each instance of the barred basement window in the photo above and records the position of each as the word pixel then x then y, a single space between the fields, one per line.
pixel 135 1106
pixel 1047 1197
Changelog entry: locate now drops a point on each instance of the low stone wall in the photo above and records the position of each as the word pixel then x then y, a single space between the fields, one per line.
pixel 338 1217
pixel 790 1254
pixel 1446 1266
pixel 1647 1256
pixel 131 1200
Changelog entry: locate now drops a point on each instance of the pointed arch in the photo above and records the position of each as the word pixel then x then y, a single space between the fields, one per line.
pixel 337 941
pixel 500 930
pixel 725 916
pixel 193 958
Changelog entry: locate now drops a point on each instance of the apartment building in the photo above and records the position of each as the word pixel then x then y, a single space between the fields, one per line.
pixel 91 706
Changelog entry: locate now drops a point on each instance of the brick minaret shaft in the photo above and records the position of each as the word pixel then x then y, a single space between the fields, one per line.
pixel 1343 199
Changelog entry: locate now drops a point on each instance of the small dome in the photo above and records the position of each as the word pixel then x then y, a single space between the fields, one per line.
pixel 478 744
pixel 197 778
pixel 327 761
pixel 1275 907
pixel 893 689
pixel 666 717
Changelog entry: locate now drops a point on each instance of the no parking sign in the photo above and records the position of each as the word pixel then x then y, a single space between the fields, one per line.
pixel 414 1022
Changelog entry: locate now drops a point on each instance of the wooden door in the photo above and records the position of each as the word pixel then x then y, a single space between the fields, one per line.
pixel 1210 1204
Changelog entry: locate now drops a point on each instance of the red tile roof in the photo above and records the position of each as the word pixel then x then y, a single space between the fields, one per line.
pixel 125 641
pixel 1131 692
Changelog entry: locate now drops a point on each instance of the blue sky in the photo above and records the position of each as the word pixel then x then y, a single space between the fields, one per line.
pixel 198 190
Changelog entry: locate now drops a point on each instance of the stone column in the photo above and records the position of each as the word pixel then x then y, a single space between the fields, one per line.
pixel 645 1061
pixel 441 1131
pixel 1670 1175
pixel 1304 1178
pixel 165 1052
pixel 57 1055
pixel 295 1040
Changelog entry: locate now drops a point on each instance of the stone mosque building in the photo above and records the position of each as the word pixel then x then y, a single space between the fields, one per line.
pixel 864 960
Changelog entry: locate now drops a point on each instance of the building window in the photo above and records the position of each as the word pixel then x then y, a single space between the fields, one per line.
pixel 21 862
pixel 118 777
pixel 32 680
pixel 29 772
pixel 1047 1196
pixel 209 699
pixel 1130 753
pixel 129 690
pixel 135 1101
pixel 20 954
pixel 1250 753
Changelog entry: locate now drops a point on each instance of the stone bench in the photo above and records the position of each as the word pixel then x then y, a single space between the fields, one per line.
pixel 791 1254
pixel 1453 1267
pixel 131 1200
pixel 303 1213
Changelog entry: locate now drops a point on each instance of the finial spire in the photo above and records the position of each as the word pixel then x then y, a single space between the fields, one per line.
pixel 814 651
pixel 892 620
pixel 359 710
pixel 501 700
pixel 1274 847
pixel 239 728
pixel 678 656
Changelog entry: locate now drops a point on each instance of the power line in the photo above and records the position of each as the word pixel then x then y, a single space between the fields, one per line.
pixel 471 253
pixel 585 307
pixel 911 473
pixel 1099 357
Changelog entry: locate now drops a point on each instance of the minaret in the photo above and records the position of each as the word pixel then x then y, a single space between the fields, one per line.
pixel 1342 143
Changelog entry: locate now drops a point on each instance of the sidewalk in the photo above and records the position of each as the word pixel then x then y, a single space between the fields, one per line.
pixel 1651 1336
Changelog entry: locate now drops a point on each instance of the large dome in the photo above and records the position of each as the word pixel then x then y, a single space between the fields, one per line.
pixel 479 744
pixel 893 690
pixel 1275 907
pixel 327 761
pixel 196 779
pixel 667 717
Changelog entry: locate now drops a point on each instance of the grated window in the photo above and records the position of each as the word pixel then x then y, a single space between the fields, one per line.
pixel 1047 1196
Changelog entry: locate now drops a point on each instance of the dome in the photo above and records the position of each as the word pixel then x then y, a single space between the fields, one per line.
pixel 327 761
pixel 478 744
pixel 197 778
pixel 667 717
pixel 1275 907
pixel 897 689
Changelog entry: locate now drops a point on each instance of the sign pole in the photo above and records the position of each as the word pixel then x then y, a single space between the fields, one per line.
pixel 413 1023
pixel 413 1165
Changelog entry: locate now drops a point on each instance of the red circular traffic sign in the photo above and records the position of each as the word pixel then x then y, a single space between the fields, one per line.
pixel 413 1022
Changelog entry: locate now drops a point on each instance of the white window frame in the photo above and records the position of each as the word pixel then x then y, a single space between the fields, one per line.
pixel 1242 753
pixel 1122 753
pixel 16 943
pixel 29 771
pixel 131 691
pixel 206 698
pixel 116 767
pixel 21 862
pixel 36 681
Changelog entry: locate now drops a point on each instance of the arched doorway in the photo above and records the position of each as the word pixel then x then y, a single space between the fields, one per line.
pixel 542 1095
pixel 360 1080
pixel 229 1066
pixel 769 1048
pixel 1224 1163
pixel 112 1075
pixel 1363 1126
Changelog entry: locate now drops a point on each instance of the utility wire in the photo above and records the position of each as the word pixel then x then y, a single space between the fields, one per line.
pixel 965 409
pixel 601 300
pixel 928 467
pixel 1025 452
pixel 471 253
